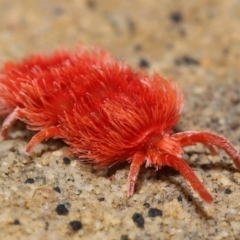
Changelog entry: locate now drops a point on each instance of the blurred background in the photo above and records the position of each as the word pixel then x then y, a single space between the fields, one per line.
pixel 164 33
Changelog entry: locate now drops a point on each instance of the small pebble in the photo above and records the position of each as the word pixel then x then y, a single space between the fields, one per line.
pixel 101 199
pixel 61 209
pixel 179 198
pixel 186 60
pixel 66 160
pixel 138 220
pixel 143 63
pixel 146 205
pixel 75 225
pixel 29 180
pixel 154 212
pixel 46 226
pixel 176 17
pixel 16 222
pixel 57 189
pixel 124 237
pixel 228 191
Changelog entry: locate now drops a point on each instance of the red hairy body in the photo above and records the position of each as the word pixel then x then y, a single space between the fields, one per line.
pixel 106 112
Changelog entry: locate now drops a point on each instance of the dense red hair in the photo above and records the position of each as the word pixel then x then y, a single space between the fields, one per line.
pixel 118 112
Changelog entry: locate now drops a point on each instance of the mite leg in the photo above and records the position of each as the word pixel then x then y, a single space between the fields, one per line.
pixel 213 149
pixel 8 122
pixel 137 161
pixel 51 132
pixel 190 138
pixel 185 170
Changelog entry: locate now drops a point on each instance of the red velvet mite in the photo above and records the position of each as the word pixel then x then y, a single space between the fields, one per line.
pixel 105 111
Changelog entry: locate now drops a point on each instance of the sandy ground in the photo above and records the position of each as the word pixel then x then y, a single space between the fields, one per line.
pixel 197 43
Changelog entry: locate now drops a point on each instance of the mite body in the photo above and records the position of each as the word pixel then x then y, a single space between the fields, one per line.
pixel 106 112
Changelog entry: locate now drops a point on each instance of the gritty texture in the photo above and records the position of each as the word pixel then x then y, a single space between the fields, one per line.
pixel 194 42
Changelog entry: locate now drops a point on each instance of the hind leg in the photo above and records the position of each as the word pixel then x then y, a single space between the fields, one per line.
pixel 207 138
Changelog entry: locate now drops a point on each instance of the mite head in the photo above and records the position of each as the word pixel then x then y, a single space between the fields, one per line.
pixel 165 104
pixel 161 144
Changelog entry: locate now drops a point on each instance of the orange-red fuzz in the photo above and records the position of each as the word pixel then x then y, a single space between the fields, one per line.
pixel 106 112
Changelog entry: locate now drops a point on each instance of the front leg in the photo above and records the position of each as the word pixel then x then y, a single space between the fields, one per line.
pixel 137 161
pixel 191 138
pixel 181 166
